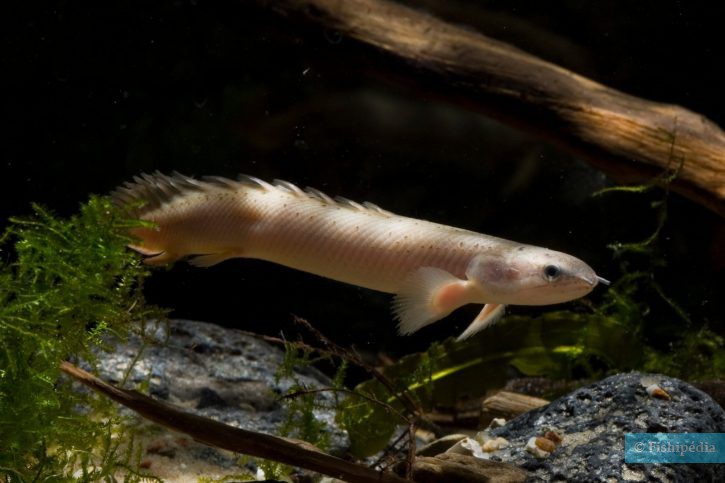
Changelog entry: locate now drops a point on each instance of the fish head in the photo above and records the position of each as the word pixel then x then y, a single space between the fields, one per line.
pixel 529 275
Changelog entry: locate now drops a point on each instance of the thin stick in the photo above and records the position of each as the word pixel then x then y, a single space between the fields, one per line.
pixel 411 405
pixel 213 433
pixel 387 407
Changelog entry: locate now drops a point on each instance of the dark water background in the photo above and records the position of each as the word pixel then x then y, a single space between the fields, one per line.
pixel 97 92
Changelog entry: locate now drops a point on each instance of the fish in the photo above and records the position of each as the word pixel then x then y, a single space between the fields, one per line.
pixel 432 269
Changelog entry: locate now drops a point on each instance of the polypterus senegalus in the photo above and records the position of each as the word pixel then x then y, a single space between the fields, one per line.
pixel 432 269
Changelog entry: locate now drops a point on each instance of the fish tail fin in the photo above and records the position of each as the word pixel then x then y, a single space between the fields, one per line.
pixel 152 197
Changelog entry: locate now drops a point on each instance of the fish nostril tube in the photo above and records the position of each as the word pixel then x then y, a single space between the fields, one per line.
pixel 603 281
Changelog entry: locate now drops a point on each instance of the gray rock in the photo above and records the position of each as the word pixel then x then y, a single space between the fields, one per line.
pixel 593 420
pixel 215 372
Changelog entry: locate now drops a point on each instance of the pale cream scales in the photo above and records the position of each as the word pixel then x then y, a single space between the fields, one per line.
pixel 431 268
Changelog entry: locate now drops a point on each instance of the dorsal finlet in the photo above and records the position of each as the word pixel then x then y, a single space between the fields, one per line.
pixel 158 189
pixel 349 203
pixel 290 187
pixel 254 181
pixel 376 208
pixel 317 194
pixel 222 182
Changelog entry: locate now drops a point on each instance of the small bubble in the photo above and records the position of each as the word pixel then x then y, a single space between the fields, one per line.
pixel 333 36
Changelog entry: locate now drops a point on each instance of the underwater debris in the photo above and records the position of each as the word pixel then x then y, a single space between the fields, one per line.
pixel 495 444
pixel 545 444
pixel 497 423
pixel 657 392
pixel 554 437
pixel 467 447
pixel 440 445
pixel 539 447
pixel 653 388
pixel 489 443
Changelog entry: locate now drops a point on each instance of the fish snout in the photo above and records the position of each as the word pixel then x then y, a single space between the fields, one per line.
pixel 592 279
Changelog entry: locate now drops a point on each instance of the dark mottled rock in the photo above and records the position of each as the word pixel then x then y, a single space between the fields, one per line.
pixel 214 372
pixel 593 420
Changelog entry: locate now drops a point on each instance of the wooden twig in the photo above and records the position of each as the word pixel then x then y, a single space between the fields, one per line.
pixel 404 396
pixel 630 138
pixel 214 433
pixel 385 406
pixel 352 356
pixel 451 467
pixel 507 405
pixel 401 394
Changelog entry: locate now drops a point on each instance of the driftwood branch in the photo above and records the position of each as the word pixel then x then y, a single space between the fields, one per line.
pixel 508 405
pixel 629 138
pixel 214 433
pixel 451 467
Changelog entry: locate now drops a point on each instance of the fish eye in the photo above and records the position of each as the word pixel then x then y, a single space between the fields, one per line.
pixel 551 272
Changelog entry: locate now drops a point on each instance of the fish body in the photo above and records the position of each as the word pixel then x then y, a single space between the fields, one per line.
pixel 432 268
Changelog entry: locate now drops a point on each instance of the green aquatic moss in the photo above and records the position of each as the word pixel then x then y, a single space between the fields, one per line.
pixel 694 352
pixel 68 287
pixel 300 421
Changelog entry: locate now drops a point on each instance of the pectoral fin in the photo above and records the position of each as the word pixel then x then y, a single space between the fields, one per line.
pixel 490 314
pixel 212 259
pixel 144 250
pixel 161 258
pixel 154 256
pixel 428 295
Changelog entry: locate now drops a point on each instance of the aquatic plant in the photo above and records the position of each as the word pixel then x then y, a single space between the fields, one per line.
pixel 68 288
pixel 693 352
